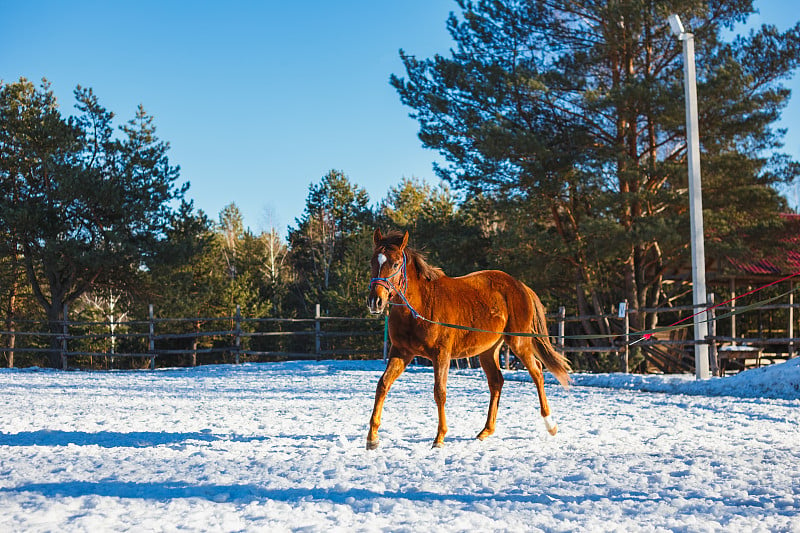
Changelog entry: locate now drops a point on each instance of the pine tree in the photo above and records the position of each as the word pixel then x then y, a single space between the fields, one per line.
pixel 572 113
pixel 448 233
pixel 84 207
pixel 336 220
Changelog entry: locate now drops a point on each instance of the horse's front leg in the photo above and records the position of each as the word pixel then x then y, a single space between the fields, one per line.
pixel 396 365
pixel 440 372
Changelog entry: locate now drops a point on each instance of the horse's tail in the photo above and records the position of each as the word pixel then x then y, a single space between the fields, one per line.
pixel 555 362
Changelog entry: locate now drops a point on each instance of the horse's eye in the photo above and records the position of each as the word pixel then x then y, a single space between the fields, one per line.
pixel 396 265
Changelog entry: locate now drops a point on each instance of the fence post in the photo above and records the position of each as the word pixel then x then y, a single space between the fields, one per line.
pixel 711 315
pixel 237 331
pixel 733 310
pixel 562 314
pixel 317 333
pixel 12 338
pixel 65 334
pixel 790 331
pixel 194 341
pixel 626 339
pixel 152 338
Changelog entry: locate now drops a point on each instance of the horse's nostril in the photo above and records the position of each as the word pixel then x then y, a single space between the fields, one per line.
pixel 375 304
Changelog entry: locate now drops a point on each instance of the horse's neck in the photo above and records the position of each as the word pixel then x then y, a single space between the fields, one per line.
pixel 419 288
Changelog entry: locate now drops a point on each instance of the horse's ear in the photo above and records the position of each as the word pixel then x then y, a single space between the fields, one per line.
pixel 376 236
pixel 405 241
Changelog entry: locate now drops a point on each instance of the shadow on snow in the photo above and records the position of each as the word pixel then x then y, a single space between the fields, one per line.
pixel 113 439
pixel 248 493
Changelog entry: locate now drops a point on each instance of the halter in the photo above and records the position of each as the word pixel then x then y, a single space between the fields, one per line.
pixel 389 286
pixel 387 281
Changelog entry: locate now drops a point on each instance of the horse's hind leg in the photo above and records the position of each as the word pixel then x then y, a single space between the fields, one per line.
pixel 523 349
pixel 394 368
pixel 490 363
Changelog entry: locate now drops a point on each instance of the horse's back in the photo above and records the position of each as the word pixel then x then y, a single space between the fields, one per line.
pixel 495 293
pixel 497 282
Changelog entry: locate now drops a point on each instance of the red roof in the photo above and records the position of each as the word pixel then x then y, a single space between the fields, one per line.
pixel 784 264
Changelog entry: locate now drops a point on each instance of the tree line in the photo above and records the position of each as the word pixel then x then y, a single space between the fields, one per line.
pixel 562 129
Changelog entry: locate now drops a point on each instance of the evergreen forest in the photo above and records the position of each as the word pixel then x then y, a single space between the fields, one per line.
pixel 562 128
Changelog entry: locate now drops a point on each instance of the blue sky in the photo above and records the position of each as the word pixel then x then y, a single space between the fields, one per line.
pixel 260 99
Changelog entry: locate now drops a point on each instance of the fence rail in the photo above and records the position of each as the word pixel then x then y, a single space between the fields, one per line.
pixel 239 337
pixel 322 336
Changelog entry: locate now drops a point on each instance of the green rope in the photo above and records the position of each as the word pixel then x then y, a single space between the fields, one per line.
pixel 648 332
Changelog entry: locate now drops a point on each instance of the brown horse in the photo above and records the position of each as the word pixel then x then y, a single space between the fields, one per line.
pixel 487 307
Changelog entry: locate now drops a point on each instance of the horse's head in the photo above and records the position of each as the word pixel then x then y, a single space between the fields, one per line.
pixel 388 271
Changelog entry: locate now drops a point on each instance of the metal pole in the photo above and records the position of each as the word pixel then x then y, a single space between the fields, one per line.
pixel 699 298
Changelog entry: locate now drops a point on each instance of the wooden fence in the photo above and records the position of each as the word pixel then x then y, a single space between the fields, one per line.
pixel 237 339
pixel 235 336
pixel 672 351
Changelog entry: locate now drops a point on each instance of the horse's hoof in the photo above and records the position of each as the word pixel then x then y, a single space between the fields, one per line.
pixel 372 444
pixel 551 426
pixel 438 444
pixel 482 435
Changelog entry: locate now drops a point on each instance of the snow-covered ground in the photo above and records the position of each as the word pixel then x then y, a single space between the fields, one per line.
pixel 280 447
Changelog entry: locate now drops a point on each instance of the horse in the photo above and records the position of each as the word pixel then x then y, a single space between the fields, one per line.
pixel 442 318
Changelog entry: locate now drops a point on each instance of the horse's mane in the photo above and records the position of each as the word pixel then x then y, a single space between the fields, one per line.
pixel 395 238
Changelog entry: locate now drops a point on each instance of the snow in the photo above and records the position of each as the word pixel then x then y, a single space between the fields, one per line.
pixel 280 447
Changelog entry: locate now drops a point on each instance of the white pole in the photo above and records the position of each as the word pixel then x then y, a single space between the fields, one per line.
pixel 699 298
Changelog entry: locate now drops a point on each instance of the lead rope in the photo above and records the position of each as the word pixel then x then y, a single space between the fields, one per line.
pixel 646 336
